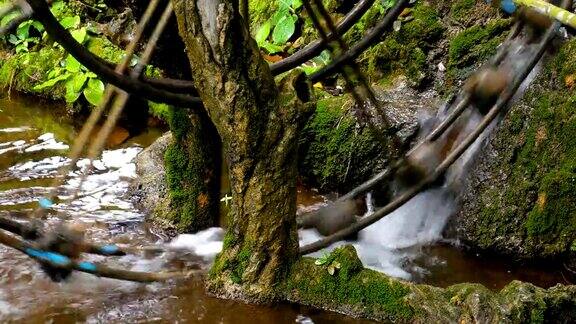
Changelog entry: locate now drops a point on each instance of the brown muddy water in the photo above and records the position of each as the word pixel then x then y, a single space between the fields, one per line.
pixel 34 138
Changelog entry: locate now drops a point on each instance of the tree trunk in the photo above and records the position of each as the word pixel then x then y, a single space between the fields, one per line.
pixel 193 162
pixel 259 129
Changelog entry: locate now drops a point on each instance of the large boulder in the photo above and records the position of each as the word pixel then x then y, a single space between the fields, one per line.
pixel 338 151
pixel 521 198
pixel 149 188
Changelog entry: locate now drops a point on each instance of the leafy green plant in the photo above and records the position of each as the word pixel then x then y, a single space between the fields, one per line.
pixel 78 80
pixel 331 265
pixel 276 31
pixel 387 4
pixel 23 38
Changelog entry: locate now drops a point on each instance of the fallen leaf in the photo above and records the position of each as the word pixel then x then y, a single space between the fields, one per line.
pixel 570 80
pixel 406 12
pixel 331 270
pixel 272 58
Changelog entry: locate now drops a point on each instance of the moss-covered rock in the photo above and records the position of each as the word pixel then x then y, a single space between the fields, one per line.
pixel 522 201
pixel 350 289
pixel 475 44
pixel 357 291
pixel 405 51
pixel 337 153
pixel 467 13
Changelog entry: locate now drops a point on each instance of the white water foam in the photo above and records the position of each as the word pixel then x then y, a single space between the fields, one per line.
pixel 205 243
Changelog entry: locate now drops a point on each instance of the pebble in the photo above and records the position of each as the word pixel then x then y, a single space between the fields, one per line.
pixel 441 67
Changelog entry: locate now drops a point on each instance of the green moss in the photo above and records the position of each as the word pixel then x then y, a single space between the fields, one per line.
pixel 23 71
pixel 403 52
pixel 336 153
pixel 260 11
pixel 239 266
pixel 229 240
pixel 475 44
pixel 190 174
pixel 563 64
pixel 462 9
pixel 181 173
pixel 351 287
pixel 557 209
pixel 539 195
pixel 234 269
pixel 102 47
pixel 367 21
pixel 160 110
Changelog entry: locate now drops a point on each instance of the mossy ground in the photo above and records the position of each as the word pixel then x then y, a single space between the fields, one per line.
pixel 357 291
pixel 351 286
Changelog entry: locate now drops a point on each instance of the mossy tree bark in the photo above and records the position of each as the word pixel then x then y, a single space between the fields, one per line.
pixel 192 163
pixel 193 159
pixel 258 127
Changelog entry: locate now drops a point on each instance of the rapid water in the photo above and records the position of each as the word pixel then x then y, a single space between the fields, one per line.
pixel 398 243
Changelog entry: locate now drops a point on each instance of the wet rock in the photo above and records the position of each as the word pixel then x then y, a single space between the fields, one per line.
pixel 339 151
pixel 149 188
pixel 120 29
pixel 520 200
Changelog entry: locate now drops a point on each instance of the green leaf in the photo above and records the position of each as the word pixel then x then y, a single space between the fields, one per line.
pixel 284 29
pixel 53 73
pixel 94 91
pixel 71 94
pixel 309 69
pixel 22 48
pixel 323 58
pixel 281 13
pixel 70 22
pixel 52 82
pixel 296 4
pixel 79 35
pixel 78 81
pixel 323 259
pixel 23 30
pixel 284 4
pixel 331 270
pixel 13 39
pixel 72 64
pixel 57 8
pixel 6 19
pixel 271 48
pixel 37 25
pixel 263 32
pixel 387 4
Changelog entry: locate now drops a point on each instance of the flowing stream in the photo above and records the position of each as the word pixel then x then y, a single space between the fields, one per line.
pixel 34 138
